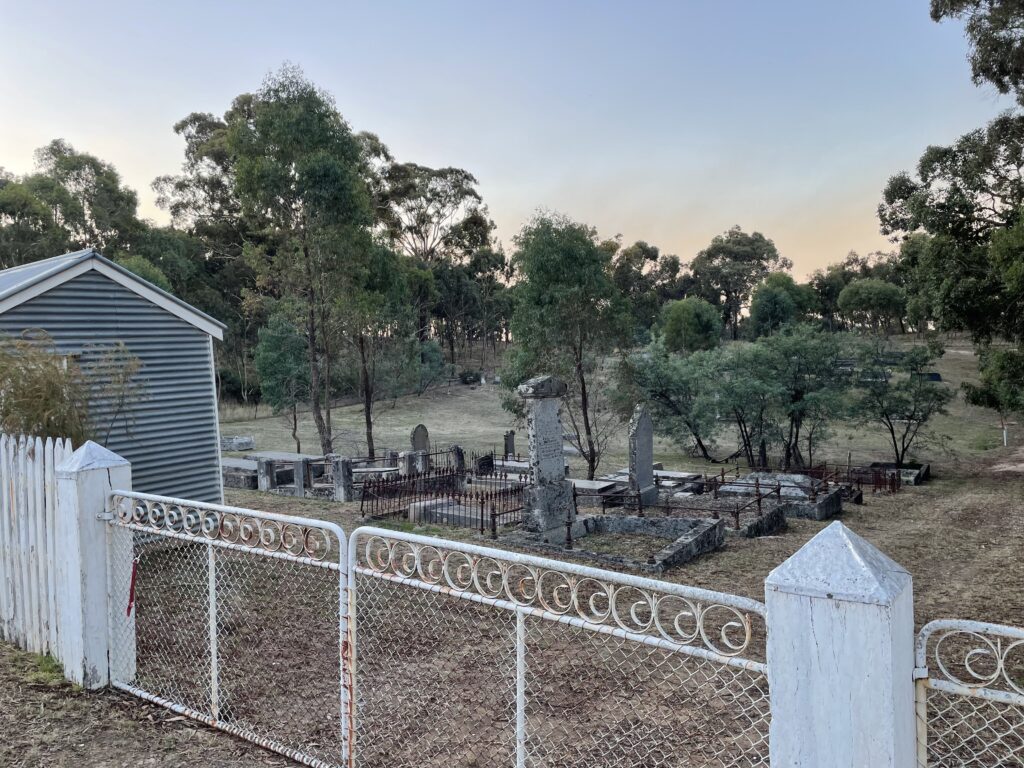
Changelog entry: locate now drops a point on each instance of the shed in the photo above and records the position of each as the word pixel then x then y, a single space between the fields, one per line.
pixel 170 432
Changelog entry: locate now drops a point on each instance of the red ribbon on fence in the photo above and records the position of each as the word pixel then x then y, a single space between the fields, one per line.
pixel 131 587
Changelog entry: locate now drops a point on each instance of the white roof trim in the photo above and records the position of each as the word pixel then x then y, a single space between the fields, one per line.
pixel 135 285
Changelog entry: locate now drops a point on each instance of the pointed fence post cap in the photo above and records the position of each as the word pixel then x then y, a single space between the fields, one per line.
pixel 91 456
pixel 838 564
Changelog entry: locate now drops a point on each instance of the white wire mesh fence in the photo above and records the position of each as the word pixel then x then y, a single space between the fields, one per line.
pixel 233 617
pixel 458 655
pixel 970 695
pixel 471 656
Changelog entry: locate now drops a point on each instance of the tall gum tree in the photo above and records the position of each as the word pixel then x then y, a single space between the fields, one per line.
pixel 299 179
pixel 569 318
pixel 727 271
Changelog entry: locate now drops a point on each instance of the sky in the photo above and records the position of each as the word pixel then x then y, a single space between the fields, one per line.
pixel 667 122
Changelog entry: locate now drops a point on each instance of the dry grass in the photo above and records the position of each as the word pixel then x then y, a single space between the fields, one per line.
pixel 472 416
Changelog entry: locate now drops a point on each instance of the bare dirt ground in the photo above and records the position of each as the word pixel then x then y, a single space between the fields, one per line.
pixel 961 536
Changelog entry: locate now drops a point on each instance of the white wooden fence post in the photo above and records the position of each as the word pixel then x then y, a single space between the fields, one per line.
pixel 84 481
pixel 841 656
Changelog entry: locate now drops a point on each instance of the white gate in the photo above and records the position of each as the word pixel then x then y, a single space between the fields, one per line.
pixel 233 617
pixel 471 656
pixel 390 650
pixel 970 695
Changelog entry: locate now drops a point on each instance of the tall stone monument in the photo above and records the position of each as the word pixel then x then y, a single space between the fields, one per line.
pixel 641 456
pixel 550 494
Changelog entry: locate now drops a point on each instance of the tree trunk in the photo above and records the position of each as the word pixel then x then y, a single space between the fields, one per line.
pixel 327 394
pixel 592 453
pixel 748 449
pixel 295 427
pixel 366 385
pixel 315 384
pixel 701 447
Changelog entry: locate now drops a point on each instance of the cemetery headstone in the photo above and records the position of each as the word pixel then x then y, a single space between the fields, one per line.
pixel 510 443
pixel 458 457
pixel 344 487
pixel 550 494
pixel 641 456
pixel 407 462
pixel 420 438
pixel 484 465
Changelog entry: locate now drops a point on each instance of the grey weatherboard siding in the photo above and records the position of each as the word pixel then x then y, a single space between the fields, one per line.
pixel 172 436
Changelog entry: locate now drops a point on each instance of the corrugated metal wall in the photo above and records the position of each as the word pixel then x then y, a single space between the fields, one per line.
pixel 170 433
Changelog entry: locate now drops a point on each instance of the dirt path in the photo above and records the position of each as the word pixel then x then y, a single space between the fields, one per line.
pixel 46 722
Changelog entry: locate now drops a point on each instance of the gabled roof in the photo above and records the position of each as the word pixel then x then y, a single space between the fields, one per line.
pixel 19 284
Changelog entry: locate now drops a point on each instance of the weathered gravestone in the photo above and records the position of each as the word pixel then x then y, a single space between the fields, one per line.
pixel 484 465
pixel 510 443
pixel 641 456
pixel 550 495
pixel 420 438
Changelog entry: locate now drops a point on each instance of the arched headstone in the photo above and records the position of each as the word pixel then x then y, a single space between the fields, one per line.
pixel 420 438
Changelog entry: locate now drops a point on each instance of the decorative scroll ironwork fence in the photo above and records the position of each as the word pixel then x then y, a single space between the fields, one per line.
pixel 970 695
pixel 212 611
pixel 465 655
pixel 417 651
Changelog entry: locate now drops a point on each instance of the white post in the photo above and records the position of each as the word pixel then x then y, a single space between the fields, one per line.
pixel 841 656
pixel 84 481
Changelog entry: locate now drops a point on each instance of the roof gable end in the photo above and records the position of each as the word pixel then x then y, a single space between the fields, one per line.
pixel 21 284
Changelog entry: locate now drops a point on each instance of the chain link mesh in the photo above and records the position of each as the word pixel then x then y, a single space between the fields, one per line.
pixel 436 653
pixel 462 656
pixel 237 636
pixel 967 732
pixel 435 680
pixel 971 703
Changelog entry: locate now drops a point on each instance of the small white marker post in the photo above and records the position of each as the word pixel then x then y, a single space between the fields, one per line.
pixel 841 656
pixel 84 481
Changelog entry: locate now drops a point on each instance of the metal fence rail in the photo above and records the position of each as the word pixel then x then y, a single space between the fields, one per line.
pixel 233 617
pixel 970 695
pixel 466 655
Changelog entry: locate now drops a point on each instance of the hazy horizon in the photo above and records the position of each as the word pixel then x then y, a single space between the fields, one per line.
pixel 661 122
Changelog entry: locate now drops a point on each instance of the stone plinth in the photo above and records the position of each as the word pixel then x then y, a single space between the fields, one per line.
pixel 550 495
pixel 237 442
pixel 641 456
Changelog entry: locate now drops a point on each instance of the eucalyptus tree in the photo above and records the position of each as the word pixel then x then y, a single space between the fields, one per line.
pixel 727 271
pixel 298 175
pixel 690 325
pixel 569 317
pixel 995 30
pixel 895 392
pixel 280 360
pixel 677 393
pixel 72 200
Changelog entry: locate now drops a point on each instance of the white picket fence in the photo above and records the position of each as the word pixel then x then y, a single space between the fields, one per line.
pixel 28 528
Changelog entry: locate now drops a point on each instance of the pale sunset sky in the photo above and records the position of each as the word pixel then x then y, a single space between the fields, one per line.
pixel 662 121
